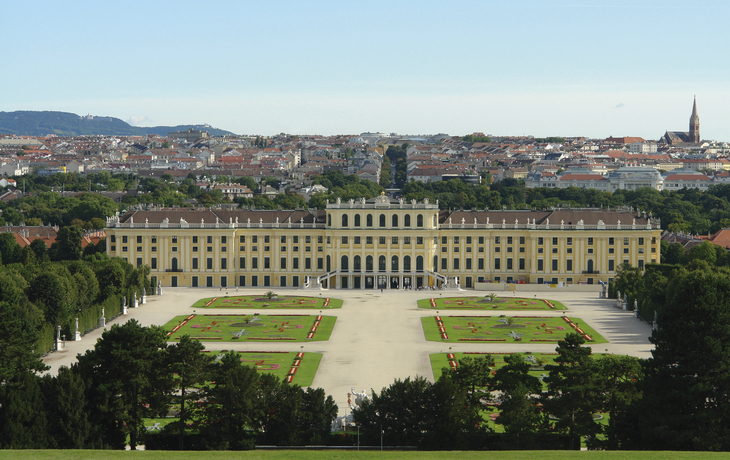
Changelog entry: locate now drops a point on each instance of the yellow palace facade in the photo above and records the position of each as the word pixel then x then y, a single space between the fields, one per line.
pixel 382 243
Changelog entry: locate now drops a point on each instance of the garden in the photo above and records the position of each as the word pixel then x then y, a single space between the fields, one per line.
pixel 506 329
pixel 490 302
pixel 240 328
pixel 268 300
pixel 290 366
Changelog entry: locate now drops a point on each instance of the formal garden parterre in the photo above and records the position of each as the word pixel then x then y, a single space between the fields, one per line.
pixel 506 329
pixel 241 328
pixel 268 300
pixel 490 302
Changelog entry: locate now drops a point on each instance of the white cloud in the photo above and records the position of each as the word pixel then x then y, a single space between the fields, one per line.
pixel 137 119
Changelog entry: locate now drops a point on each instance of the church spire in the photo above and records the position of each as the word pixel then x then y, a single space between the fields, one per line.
pixel 694 124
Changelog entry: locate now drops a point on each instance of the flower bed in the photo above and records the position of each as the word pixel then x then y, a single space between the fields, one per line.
pixel 253 327
pixel 481 303
pixel 548 329
pixel 278 302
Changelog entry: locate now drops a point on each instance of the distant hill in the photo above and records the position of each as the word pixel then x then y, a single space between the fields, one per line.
pixel 31 123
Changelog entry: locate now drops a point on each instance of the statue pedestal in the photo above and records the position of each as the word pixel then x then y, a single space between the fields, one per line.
pixel 636 313
pixel 136 303
pixel 77 336
pixel 125 311
pixel 59 345
pixel 144 299
pixel 102 322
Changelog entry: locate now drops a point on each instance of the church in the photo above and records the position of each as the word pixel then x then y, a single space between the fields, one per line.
pixel 676 138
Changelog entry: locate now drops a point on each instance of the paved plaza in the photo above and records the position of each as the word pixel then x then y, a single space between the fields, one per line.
pixel 378 336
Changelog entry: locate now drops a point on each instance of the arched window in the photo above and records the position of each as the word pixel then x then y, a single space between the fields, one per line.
pixel 357 220
pixel 329 220
pixel 435 224
pixel 419 220
pixel 382 220
pixel 174 263
pixel 343 263
pixel 344 220
pixel 589 266
pixel 407 220
pixel 406 263
pixel 394 263
pixel 329 266
pixel 370 220
pixel 381 263
pixel 419 263
pixel 394 221
pixel 435 263
pixel 356 263
pixel 369 263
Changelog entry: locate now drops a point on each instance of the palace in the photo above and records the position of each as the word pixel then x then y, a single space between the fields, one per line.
pixel 382 243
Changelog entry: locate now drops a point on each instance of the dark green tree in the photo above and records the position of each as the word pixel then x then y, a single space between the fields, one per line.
pixel 687 379
pixel 227 419
pixel 474 374
pixel 23 422
pixel 65 404
pixel 619 377
pixel 519 398
pixel 191 367
pixel 69 243
pixel 573 394
pixel 128 379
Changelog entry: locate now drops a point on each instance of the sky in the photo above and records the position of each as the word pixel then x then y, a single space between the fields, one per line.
pixel 594 68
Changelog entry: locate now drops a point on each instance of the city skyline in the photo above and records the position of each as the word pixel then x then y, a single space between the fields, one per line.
pixel 594 69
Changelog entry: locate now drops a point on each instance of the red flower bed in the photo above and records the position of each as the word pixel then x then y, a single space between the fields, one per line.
pixel 270 338
pixel 211 301
pixel 483 340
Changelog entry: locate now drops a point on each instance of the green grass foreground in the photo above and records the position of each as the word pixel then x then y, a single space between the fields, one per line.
pixel 260 301
pixel 483 303
pixel 353 455
pixel 493 329
pixel 251 328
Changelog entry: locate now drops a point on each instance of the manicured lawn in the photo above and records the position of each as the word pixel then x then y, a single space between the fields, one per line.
pixel 352 455
pixel 484 303
pixel 241 328
pixel 260 301
pixel 485 329
pixel 300 366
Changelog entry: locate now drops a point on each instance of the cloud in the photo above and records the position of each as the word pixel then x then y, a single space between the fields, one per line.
pixel 619 105
pixel 137 119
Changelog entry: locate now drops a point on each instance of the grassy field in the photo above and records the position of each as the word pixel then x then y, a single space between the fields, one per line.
pixel 501 329
pixel 254 301
pixel 253 328
pixel 352 455
pixel 484 303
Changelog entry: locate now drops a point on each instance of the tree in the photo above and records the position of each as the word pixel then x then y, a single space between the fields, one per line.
pixel 23 420
pixel 128 380
pixel 65 406
pixel 474 375
pixel 573 390
pixel 400 411
pixel 315 416
pixel 519 397
pixel 191 367
pixel 10 251
pixel 619 376
pixel 687 379
pixel 69 243
pixel 228 416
